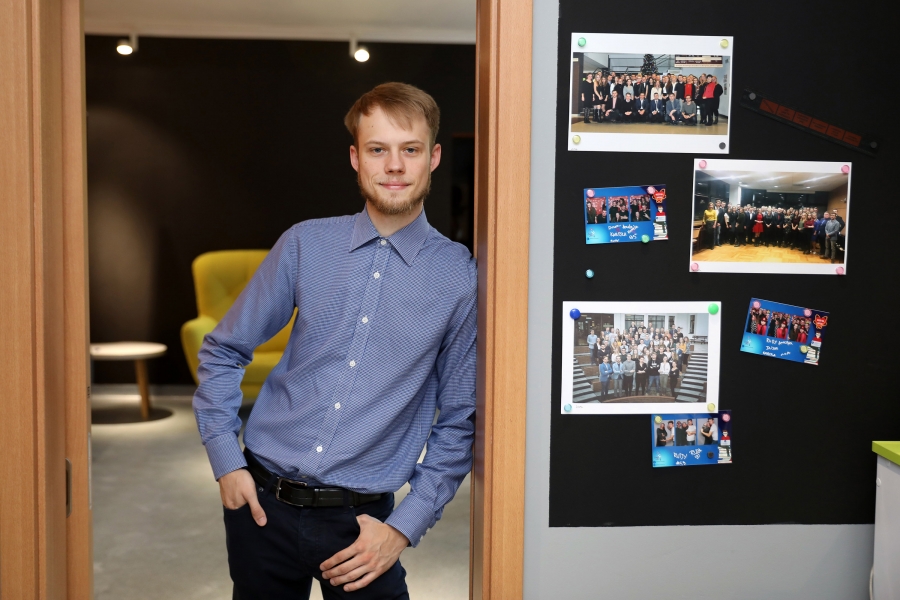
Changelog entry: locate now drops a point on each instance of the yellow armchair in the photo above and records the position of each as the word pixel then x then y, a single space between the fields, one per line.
pixel 219 278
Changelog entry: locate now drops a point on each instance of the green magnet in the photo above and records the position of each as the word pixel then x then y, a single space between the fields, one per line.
pixel 582 42
pixel 713 308
pixel 645 238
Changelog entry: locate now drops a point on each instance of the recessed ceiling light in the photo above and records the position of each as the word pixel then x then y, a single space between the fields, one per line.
pixel 362 55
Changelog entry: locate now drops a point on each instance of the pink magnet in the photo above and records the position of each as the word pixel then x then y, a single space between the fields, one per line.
pixel 839 270
pixel 702 164
pixel 756 304
pixel 845 169
pixel 590 193
pixel 695 267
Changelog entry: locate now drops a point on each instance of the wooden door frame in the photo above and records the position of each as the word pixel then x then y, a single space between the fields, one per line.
pixel 43 304
pixel 44 300
pixel 502 191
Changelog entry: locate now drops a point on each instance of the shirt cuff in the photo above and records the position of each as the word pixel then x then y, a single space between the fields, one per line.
pixel 225 454
pixel 412 518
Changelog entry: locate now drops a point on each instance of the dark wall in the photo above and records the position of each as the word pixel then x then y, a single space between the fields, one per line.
pixel 199 145
pixel 803 439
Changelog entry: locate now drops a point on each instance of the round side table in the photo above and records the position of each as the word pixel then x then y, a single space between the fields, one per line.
pixel 139 352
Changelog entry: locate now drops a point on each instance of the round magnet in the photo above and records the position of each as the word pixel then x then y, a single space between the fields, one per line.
pixel 722 145
pixel 839 270
pixel 702 164
pixel 752 95
pixel 803 349
pixel 711 407
pixel 873 145
pixel 724 43
pixel 575 313
pixel 807 312
pixel 589 273
pixel 582 42
pixel 726 417
pixel 710 454
pixel 576 139
pixel 590 193
pixel 695 267
pixel 567 408
pixel 713 308
pixel 658 419
pixel 645 238
pixel 756 304
pixel 845 169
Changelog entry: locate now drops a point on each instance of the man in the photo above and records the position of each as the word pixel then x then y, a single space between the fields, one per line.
pixel 819 232
pixel 740 227
pixel 689 111
pixel 778 223
pixel 605 374
pixel 679 87
pixel 680 434
pixel 628 109
pixel 641 108
pixel 617 375
pixel 673 112
pixel 371 358
pixel 691 433
pixel 664 369
pixel 641 87
pixel 653 373
pixel 591 212
pixel 670 433
pixel 832 229
pixel 587 97
pixel 628 368
pixel 657 110
pixel 661 435
pixel 768 226
pixel 592 344
pixel 721 222
pixel 614 111
pixel 711 94
pixel 708 432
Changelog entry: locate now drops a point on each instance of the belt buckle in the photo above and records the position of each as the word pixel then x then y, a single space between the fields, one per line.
pixel 281 480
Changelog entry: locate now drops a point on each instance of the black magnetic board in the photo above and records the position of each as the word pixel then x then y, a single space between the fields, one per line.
pixel 808 460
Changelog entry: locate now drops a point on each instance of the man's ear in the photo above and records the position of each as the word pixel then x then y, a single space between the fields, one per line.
pixel 435 157
pixel 354 158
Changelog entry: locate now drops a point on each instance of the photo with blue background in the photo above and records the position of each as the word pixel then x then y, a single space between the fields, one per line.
pixel 600 205
pixel 805 348
pixel 681 453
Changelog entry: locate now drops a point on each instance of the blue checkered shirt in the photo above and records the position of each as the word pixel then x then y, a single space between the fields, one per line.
pixel 385 334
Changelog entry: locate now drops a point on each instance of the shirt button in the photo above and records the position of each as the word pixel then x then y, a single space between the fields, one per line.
pixel 365 319
pixel 376 275
pixel 352 363
pixel 318 448
pixel 337 406
pixel 384 242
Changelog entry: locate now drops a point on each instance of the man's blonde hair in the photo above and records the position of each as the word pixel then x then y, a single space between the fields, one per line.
pixel 401 102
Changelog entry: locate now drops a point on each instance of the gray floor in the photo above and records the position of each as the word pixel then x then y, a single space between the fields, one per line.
pixel 158 520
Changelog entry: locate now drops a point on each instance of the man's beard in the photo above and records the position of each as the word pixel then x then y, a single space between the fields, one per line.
pixel 394 208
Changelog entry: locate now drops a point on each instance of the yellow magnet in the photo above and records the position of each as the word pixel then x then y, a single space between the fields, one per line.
pixel 711 407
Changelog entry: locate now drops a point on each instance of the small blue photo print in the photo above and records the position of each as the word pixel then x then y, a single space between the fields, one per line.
pixel 625 214
pixel 687 440
pixel 784 331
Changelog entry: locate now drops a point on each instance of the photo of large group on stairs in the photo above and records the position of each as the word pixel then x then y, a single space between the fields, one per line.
pixel 631 358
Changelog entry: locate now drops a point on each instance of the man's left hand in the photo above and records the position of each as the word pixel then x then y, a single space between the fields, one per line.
pixel 375 551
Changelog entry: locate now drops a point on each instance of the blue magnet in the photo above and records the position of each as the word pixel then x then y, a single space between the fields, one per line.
pixel 645 238
pixel 575 313
pixel 589 273
pixel 713 308
pixel 567 408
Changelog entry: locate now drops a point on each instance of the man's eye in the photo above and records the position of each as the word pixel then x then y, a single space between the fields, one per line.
pixel 377 150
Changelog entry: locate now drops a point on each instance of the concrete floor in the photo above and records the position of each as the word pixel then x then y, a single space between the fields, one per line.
pixel 158 530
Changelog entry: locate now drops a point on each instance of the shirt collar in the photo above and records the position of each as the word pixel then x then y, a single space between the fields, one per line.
pixel 408 241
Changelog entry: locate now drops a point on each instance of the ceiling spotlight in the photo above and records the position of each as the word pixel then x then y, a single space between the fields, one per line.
pixel 776 186
pixel 128 46
pixel 361 54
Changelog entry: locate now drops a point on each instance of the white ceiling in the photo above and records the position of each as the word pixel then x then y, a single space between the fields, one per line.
pixel 424 21
pixel 797 183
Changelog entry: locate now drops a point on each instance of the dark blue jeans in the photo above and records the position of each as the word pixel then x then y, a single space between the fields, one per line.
pixel 279 560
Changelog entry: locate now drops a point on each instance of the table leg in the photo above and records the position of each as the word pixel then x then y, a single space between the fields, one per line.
pixel 140 367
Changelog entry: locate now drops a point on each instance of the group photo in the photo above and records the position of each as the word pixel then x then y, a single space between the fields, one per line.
pixel 650 355
pixel 680 440
pixel 650 93
pixel 768 219
pixel 625 214
pixel 784 331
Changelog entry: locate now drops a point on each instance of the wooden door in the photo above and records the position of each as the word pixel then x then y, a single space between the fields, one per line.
pixel 502 190
pixel 43 384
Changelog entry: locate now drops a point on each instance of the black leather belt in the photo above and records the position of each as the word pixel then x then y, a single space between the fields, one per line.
pixel 298 493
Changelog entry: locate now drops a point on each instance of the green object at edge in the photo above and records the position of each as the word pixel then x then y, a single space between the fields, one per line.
pixel 889 450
